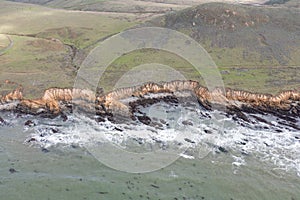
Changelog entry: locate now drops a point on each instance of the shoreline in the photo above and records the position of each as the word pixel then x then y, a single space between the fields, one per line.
pixel 122 103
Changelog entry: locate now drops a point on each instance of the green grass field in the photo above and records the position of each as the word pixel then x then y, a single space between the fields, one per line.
pixel 40 58
pixel 73 27
pixel 268 79
pixel 133 59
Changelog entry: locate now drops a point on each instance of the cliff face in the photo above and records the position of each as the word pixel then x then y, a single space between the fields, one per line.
pixel 9 100
pixel 121 101
pixel 54 100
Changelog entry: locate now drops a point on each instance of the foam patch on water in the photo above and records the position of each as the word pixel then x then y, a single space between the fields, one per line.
pixel 84 131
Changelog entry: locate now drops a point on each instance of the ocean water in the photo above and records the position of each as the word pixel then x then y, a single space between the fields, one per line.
pixel 208 156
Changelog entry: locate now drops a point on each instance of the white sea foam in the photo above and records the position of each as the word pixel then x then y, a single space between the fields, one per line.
pixel 280 149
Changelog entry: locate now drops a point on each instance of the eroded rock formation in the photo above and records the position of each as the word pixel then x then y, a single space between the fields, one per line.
pixel 9 100
pixel 120 101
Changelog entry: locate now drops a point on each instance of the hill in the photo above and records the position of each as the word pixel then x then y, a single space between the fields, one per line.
pixel 256 47
pixel 128 6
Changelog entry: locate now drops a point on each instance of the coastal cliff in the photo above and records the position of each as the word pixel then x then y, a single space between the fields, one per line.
pixel 57 100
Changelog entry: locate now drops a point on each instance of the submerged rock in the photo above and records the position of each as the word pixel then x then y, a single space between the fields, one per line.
pixel 144 119
pixel 187 123
pixel 1 121
pixel 29 123
pixel 12 170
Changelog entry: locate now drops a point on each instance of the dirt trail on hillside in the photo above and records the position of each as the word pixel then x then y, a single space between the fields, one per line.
pixel 10 45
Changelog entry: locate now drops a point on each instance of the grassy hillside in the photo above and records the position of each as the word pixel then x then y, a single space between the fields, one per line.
pixel 45 41
pixel 256 48
pixel 76 28
pixel 133 59
pixel 128 6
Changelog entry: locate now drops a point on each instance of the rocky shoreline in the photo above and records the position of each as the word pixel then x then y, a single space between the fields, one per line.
pixel 122 104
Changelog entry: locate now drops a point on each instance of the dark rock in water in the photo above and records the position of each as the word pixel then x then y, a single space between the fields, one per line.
pixel 189 141
pixel 31 140
pixel 187 123
pixel 74 146
pixel 2 121
pixel 154 186
pixel 144 119
pixel 289 125
pixel 238 113
pixel 156 125
pixel 283 116
pixel 222 149
pixel 64 116
pixel 171 99
pixel 115 118
pixel 244 152
pixel 54 130
pixel 262 120
pixel 12 170
pixel 118 129
pixel 163 121
pixel 29 123
pixel 102 192
pixel 111 119
pixel 208 131
pixel 242 143
pixel 157 140
pixel 48 115
pixel 44 150
pixel 249 109
pixel 267 144
pixel 100 119
pixel 139 140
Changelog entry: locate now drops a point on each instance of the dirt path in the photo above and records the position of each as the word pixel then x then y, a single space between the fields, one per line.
pixel 11 44
pixel 23 73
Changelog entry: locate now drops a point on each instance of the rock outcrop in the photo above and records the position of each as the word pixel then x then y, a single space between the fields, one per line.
pixel 9 100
